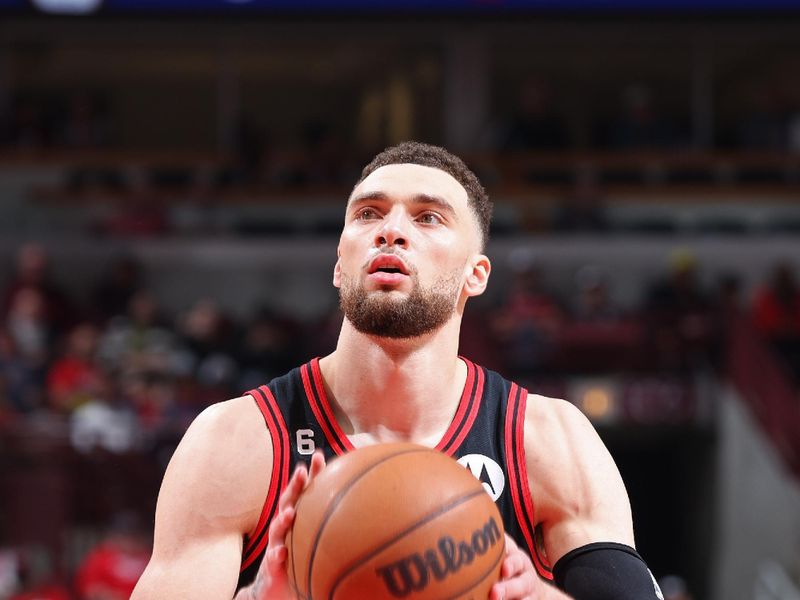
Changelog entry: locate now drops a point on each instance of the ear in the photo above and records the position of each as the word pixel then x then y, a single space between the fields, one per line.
pixel 337 271
pixel 478 277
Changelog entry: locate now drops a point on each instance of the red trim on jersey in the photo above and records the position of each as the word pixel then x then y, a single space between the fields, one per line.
pixel 463 404
pixel 527 499
pixel 511 458
pixel 319 386
pixel 315 408
pixel 257 540
pixel 515 459
pixel 476 396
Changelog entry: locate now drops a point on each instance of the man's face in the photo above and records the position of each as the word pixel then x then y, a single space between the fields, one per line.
pixel 409 245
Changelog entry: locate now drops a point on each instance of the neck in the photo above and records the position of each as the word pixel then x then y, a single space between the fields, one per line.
pixel 386 390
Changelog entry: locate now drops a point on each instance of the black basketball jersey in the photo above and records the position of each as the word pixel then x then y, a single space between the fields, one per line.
pixel 485 436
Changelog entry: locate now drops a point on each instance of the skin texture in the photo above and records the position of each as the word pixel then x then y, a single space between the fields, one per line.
pixel 422 216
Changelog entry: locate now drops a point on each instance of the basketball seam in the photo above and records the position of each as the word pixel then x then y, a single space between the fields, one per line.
pixel 335 503
pixel 426 519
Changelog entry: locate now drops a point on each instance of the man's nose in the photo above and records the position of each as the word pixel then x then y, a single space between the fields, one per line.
pixel 392 232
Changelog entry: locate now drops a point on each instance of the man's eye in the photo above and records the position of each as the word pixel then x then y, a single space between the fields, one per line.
pixel 429 219
pixel 366 213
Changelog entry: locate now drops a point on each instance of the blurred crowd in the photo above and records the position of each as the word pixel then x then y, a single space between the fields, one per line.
pixel 108 570
pixel 123 377
pixel 120 367
pixel 126 377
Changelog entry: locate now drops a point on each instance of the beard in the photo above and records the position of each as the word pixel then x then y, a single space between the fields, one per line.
pixel 378 313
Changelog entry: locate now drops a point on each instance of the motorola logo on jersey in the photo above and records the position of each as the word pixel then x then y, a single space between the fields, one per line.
pixel 487 471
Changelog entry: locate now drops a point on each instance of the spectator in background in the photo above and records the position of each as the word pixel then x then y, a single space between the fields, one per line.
pixel 207 338
pixel 592 303
pixel 728 300
pixel 639 124
pixel 45 591
pixel 139 341
pixel 111 569
pixel 267 349
pixel 112 295
pixel 32 272
pixel 153 397
pixel 76 377
pixel 678 313
pixel 20 380
pixel 527 321
pixel 535 124
pixel 28 327
pixel 146 357
pixel 583 209
pixel 776 314
pixel 27 574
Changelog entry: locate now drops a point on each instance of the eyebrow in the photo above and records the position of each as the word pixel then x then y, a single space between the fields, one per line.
pixel 428 199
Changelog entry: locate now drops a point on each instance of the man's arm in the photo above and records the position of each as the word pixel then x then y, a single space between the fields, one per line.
pixel 212 494
pixel 577 490
pixel 582 507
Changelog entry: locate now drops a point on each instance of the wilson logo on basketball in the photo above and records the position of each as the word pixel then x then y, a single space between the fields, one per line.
pixel 413 573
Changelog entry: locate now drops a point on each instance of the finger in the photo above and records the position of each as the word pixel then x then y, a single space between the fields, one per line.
pixel 276 558
pixel 513 564
pixel 295 486
pixel 511 545
pixel 521 586
pixel 317 464
pixel 276 548
pixel 496 593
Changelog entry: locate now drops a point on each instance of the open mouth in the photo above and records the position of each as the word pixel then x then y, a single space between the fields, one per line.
pixel 389 264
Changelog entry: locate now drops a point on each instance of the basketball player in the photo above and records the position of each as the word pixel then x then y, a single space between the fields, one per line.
pixel 409 257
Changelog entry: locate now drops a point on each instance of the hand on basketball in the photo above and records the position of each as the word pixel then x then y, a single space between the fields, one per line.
pixel 272 582
pixel 518 578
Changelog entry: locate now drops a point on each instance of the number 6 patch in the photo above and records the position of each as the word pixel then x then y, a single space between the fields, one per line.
pixel 305 441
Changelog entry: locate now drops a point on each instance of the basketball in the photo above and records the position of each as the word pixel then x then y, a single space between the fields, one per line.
pixel 395 521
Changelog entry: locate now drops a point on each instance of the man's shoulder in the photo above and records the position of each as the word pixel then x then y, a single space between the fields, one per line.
pixel 557 432
pixel 228 440
pixel 228 427
pixel 223 463
pixel 545 411
pixel 221 416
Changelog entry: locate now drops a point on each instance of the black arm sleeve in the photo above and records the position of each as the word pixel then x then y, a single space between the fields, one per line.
pixel 605 571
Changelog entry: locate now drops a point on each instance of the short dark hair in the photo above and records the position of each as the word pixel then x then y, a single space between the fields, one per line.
pixel 426 155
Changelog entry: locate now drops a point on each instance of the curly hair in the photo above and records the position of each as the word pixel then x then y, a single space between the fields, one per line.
pixel 426 155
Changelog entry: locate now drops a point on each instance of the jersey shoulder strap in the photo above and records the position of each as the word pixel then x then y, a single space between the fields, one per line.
pixel 514 434
pixel 256 541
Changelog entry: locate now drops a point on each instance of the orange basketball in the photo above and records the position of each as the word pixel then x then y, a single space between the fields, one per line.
pixel 395 521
